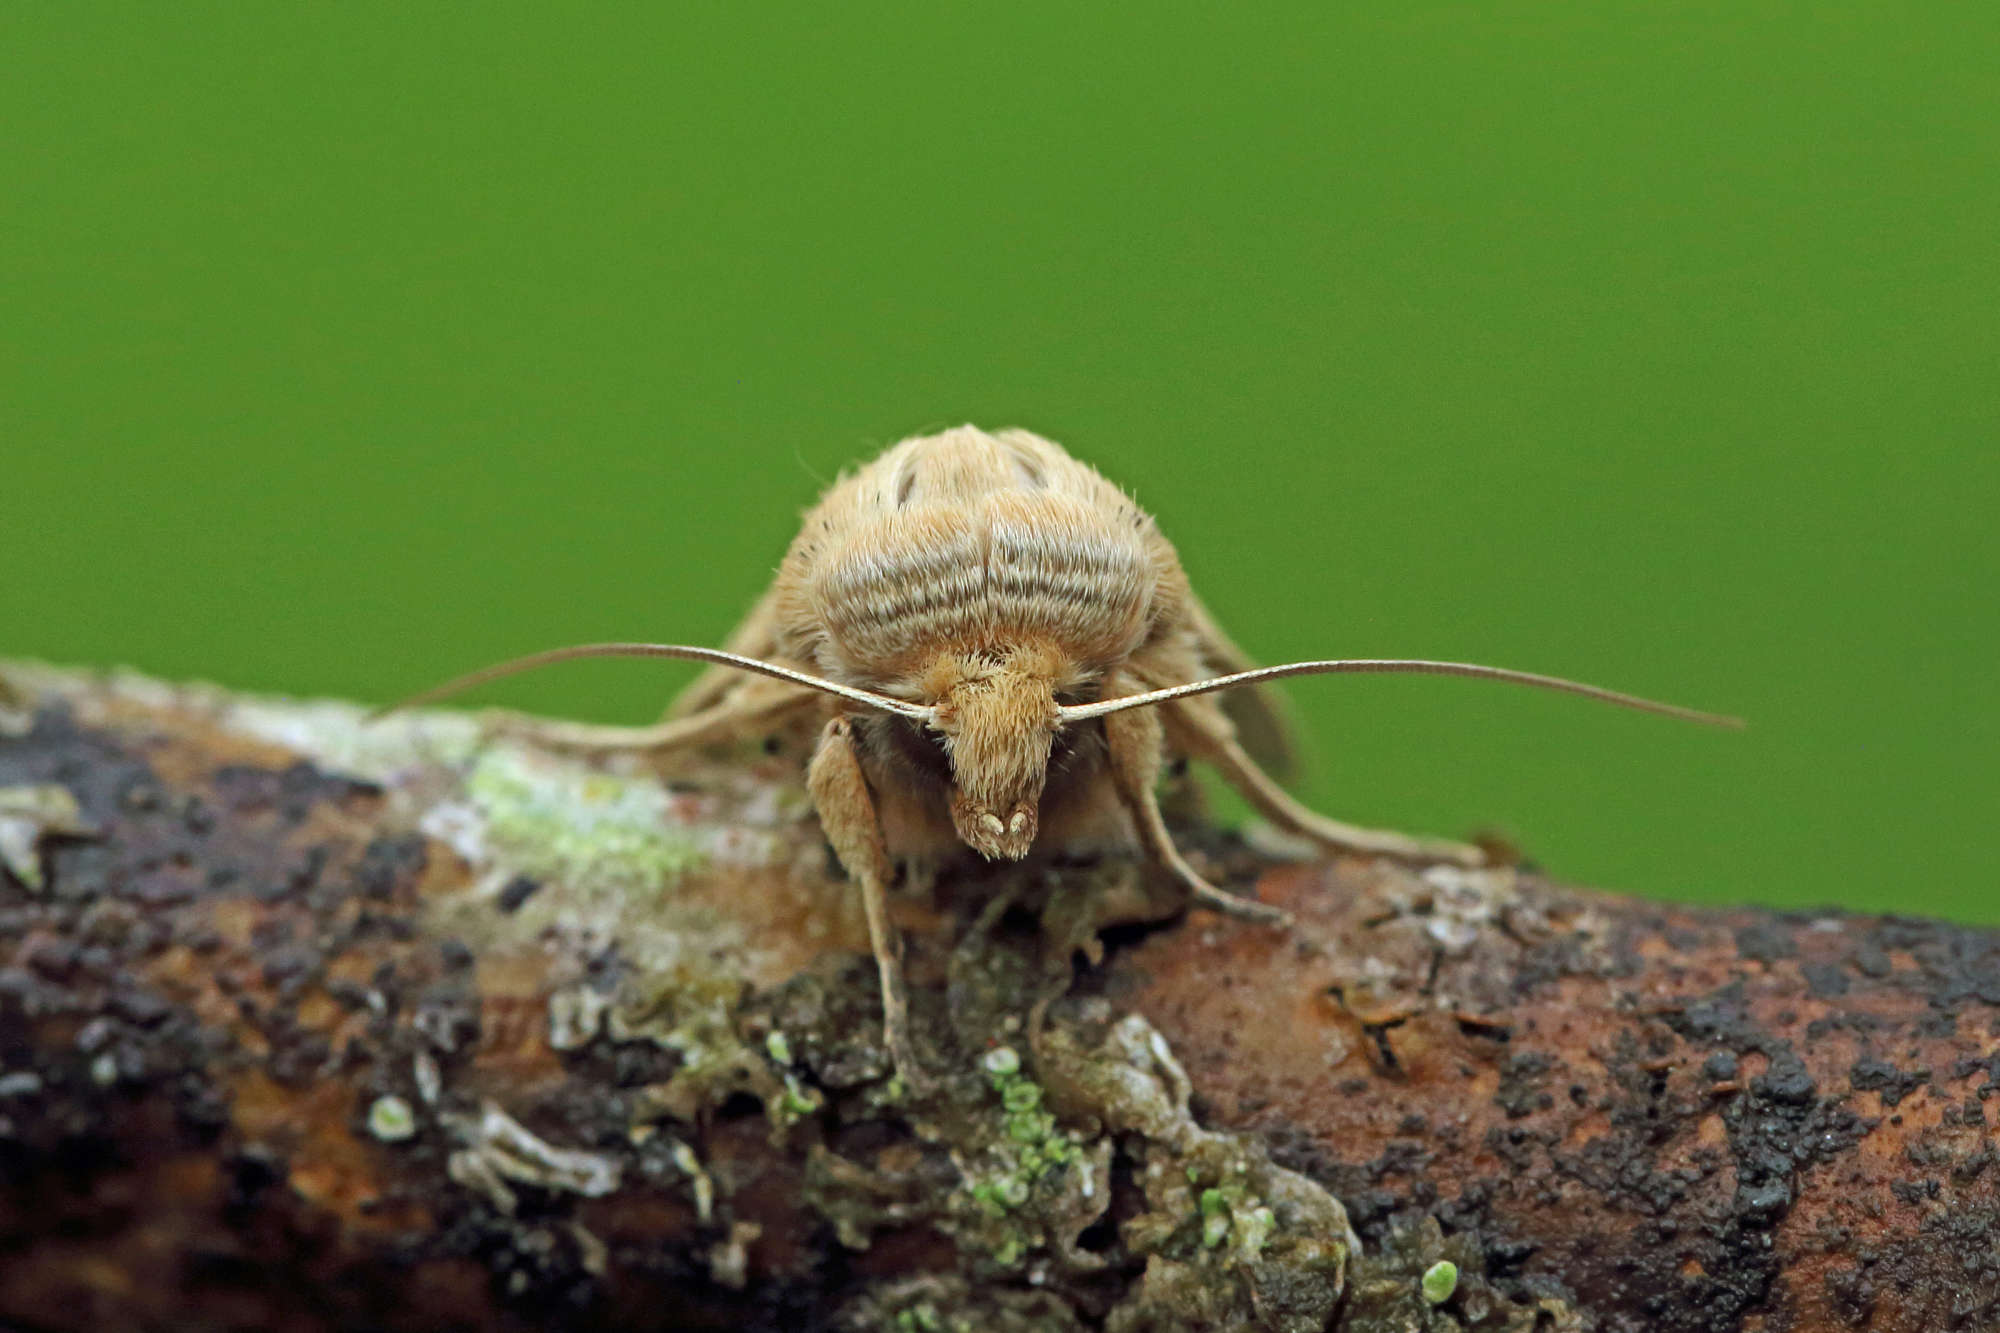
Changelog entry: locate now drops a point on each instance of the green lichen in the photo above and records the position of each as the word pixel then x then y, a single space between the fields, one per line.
pixel 1030 1128
pixel 1021 1150
pixel 1226 1239
pixel 1220 1237
pixel 611 851
pixel 1230 1209
pixel 1214 1218
pixel 578 826
pixel 391 1119
pixel 797 1102
pixel 1231 1240
pixel 1420 1280
pixel 1216 1236
pixel 1211 1234
pixel 1254 1227
pixel 778 1047
pixel 1439 1281
pixel 919 1318
pixel 688 1003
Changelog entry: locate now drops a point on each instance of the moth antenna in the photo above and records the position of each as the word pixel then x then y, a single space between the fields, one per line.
pixel 1396 665
pixel 683 652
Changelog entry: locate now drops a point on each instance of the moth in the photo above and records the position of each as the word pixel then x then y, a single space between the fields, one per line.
pixel 1001 650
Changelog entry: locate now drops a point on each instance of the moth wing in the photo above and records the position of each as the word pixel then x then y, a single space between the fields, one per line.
pixel 756 636
pixel 1262 719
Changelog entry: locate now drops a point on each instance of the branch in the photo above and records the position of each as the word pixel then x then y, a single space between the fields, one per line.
pixel 313 1024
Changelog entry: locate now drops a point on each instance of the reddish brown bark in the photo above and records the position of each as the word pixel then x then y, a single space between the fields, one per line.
pixel 1647 1117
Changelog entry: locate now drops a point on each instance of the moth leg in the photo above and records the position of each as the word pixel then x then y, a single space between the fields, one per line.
pixel 1208 736
pixel 1136 742
pixel 847 816
pixel 736 713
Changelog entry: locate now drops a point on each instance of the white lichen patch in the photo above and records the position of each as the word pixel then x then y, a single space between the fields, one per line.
pixel 429 1079
pixel 541 814
pixel 461 826
pixel 699 1181
pixel 576 1016
pixel 28 815
pixel 948 1303
pixel 747 822
pixel 499 1150
pixel 1462 903
pixel 729 1258
pixel 344 738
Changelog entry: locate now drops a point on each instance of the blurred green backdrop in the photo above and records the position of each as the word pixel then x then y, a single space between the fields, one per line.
pixel 344 347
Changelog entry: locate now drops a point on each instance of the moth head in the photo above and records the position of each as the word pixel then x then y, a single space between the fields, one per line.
pixel 998 721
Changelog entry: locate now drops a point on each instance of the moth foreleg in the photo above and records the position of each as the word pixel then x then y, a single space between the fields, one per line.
pixel 1137 742
pixel 847 816
pixel 1208 736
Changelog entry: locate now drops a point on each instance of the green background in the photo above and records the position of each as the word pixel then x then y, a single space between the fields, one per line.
pixel 342 348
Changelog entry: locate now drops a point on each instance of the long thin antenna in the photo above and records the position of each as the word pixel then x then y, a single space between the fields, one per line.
pixel 1396 665
pixel 683 652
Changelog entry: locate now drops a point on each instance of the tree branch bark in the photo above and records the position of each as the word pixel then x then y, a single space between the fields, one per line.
pixel 311 1023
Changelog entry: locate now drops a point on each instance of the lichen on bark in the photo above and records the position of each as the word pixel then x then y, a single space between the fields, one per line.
pixel 409 1024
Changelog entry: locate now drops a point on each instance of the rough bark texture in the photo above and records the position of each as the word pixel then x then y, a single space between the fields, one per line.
pixel 310 1024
